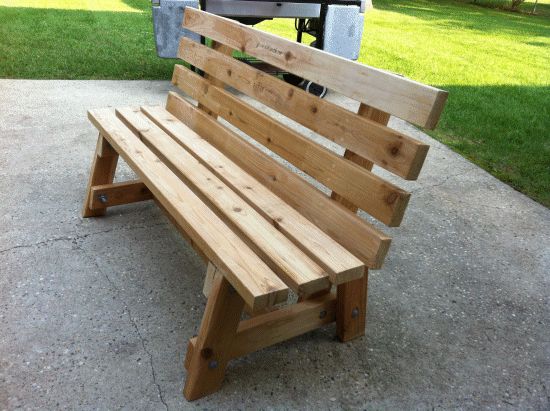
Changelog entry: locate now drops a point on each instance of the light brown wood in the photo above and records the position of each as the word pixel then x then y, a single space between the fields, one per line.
pixel 402 97
pixel 222 48
pixel 102 172
pixel 340 264
pixel 351 306
pixel 370 192
pixel 256 283
pixel 384 146
pixel 355 234
pixel 126 192
pixel 292 265
pixel 271 328
pixel 211 272
pixel 375 115
pixel 206 365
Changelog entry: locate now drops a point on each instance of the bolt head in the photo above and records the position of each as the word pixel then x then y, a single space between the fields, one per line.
pixel 355 313
pixel 213 364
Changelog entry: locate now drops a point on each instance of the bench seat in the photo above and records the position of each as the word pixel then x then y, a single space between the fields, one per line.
pixel 215 169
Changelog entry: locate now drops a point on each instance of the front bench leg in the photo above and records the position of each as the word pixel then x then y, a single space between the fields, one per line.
pixel 351 308
pixel 206 362
pixel 102 172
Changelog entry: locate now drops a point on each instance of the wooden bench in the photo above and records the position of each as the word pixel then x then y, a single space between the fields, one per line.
pixel 261 228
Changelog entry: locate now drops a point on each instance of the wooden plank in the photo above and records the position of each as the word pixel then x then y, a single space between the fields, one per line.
pixel 206 365
pixel 379 117
pixel 370 192
pixel 102 172
pixel 211 272
pixel 341 265
pixel 291 264
pixel 126 192
pixel 402 97
pixel 351 305
pixel 358 236
pixel 254 281
pixel 351 308
pixel 274 327
pixel 384 146
pixel 212 80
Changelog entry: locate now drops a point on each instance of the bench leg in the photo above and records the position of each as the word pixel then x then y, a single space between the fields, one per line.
pixel 102 172
pixel 206 362
pixel 351 308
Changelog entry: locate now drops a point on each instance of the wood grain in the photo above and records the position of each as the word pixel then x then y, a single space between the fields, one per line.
pixel 402 97
pixel 384 146
pixel 358 236
pixel 256 283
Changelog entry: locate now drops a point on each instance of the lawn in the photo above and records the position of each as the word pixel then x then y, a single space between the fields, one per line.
pixel 495 64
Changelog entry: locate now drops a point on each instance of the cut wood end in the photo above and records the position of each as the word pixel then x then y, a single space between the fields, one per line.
pixel 437 109
pixel 418 162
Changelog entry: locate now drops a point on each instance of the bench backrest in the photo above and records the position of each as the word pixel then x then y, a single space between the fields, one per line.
pixel 364 134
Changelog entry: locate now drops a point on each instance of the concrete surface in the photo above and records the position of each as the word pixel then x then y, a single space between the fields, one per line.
pixel 95 313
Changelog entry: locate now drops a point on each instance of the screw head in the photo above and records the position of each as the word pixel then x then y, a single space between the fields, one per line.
pixel 102 198
pixel 206 352
pixel 213 364
pixel 355 313
pixel 323 314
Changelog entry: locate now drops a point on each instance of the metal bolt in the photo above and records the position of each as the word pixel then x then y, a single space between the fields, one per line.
pixel 323 314
pixel 355 312
pixel 213 364
pixel 102 198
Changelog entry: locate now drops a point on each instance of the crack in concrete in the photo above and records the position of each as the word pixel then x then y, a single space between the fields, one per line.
pixel 132 322
pixel 77 237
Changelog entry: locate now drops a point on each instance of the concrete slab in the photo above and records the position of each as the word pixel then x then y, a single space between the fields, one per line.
pixel 96 313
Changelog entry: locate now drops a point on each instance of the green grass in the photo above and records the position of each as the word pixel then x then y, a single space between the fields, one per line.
pixel 494 63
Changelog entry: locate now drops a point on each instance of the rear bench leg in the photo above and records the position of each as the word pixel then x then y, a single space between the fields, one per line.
pixel 206 362
pixel 102 172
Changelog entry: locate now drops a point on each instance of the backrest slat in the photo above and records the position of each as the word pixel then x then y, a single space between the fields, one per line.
pixel 379 198
pixel 362 239
pixel 382 145
pixel 402 97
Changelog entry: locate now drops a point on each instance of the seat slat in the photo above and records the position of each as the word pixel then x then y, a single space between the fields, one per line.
pixel 341 265
pixel 368 191
pixel 405 98
pixel 246 272
pixel 384 146
pixel 355 234
pixel 293 266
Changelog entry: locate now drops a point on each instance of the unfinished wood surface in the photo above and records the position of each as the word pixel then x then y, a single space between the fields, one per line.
pixel 341 265
pixel 102 172
pixel 274 327
pixel 359 237
pixel 125 192
pixel 402 97
pixel 211 272
pixel 291 264
pixel 222 48
pixel 384 146
pixel 379 117
pixel 370 192
pixel 206 365
pixel 351 308
pixel 256 283
pixel 351 311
